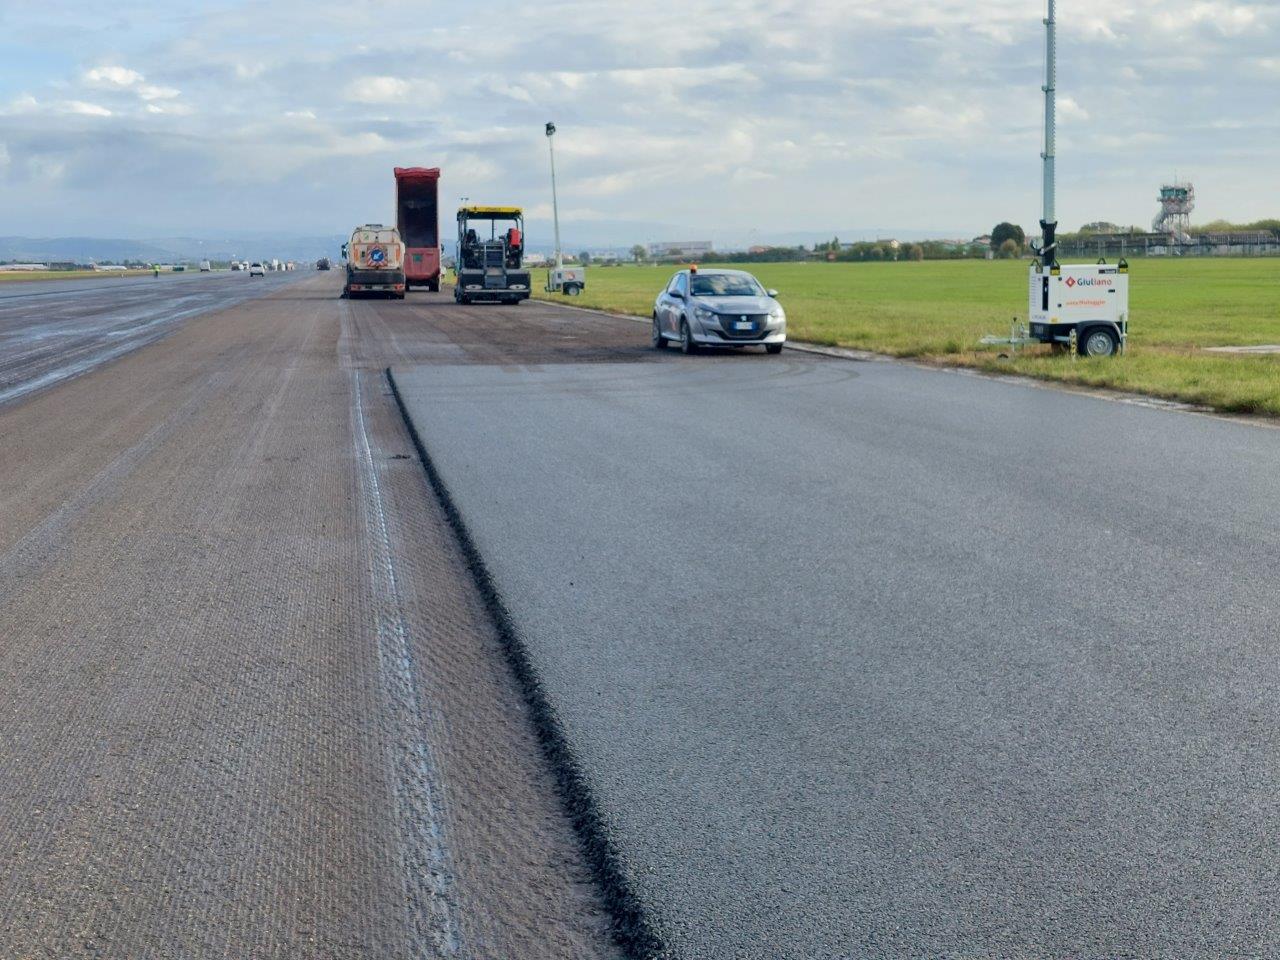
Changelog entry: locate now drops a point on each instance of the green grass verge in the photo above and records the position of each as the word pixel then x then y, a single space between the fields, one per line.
pixel 938 310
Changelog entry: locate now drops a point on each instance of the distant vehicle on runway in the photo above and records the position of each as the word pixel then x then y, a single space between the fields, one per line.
pixel 206 266
pixel 257 270
pixel 418 220
pixel 323 264
pixel 491 268
pixel 718 308
pixel 375 262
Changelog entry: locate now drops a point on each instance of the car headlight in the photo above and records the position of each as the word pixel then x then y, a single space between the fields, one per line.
pixel 777 313
pixel 705 315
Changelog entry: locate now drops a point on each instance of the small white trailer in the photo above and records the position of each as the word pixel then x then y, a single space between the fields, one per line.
pixel 1080 306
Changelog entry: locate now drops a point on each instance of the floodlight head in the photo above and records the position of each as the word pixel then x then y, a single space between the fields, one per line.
pixel 551 129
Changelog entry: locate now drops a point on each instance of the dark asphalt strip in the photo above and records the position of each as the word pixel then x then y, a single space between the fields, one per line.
pixel 631 926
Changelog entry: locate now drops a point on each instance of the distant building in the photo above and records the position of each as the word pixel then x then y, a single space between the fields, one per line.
pixel 758 249
pixel 680 248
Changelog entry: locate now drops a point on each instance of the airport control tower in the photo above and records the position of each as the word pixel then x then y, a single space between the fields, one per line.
pixel 1177 200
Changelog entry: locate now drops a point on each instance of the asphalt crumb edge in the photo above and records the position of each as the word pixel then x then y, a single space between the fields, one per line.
pixel 631 926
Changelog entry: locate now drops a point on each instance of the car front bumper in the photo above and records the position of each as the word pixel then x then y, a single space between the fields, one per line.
pixel 712 335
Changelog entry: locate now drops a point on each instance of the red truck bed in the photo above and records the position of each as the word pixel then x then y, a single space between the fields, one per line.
pixel 418 220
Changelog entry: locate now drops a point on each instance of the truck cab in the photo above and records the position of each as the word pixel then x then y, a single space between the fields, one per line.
pixel 490 256
pixel 375 262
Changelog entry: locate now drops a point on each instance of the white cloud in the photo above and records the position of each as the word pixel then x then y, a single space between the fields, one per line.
pixel 402 92
pixel 27 105
pixel 112 76
pixel 83 108
pixel 123 79
pixel 378 90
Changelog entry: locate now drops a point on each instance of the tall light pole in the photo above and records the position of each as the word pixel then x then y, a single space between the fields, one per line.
pixel 555 204
pixel 1049 219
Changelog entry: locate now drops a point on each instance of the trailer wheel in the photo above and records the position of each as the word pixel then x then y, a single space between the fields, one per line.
pixel 1098 342
pixel 572 289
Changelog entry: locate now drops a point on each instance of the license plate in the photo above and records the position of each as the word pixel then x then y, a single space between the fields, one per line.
pixel 743 325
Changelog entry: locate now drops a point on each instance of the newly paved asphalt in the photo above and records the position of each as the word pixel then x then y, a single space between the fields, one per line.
pixel 869 660
pixel 53 330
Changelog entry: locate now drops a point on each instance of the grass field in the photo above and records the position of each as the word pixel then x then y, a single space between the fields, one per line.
pixel 18 276
pixel 937 311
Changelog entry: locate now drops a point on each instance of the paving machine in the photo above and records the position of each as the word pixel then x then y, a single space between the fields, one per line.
pixel 490 256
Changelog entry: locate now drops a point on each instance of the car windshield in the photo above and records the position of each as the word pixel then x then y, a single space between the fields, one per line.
pixel 725 285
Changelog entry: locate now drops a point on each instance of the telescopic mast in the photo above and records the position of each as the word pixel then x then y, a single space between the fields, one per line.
pixel 555 203
pixel 1049 220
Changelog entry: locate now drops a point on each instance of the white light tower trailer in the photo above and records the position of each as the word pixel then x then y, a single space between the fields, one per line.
pixel 1084 306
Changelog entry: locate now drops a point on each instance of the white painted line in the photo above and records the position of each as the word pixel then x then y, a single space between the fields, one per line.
pixel 428 868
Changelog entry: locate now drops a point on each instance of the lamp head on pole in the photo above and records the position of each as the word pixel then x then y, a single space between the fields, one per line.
pixel 551 129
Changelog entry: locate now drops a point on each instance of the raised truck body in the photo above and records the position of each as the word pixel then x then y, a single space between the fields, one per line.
pixel 418 220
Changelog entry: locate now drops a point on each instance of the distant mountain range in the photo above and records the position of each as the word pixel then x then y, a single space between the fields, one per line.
pixel 165 249
pixel 602 236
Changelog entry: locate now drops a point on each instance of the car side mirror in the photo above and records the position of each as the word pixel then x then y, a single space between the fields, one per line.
pixel 677 294
pixel 772 293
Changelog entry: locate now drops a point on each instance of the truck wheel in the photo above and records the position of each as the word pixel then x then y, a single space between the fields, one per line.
pixel 1098 342
pixel 656 339
pixel 433 287
pixel 573 290
pixel 687 346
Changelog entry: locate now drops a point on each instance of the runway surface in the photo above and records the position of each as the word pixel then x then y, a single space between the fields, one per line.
pixel 868 660
pixel 853 659
pixel 53 330
pixel 252 704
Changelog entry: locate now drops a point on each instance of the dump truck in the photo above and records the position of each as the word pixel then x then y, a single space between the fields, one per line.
pixel 418 220
pixel 490 256
pixel 375 262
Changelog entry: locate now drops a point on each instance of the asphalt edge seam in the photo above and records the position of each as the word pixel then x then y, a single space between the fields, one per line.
pixel 632 928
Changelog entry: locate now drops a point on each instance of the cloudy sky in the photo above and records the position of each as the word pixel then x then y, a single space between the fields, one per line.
pixel 740 118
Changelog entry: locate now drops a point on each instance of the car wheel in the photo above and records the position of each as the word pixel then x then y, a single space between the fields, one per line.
pixel 1099 342
pixel 687 346
pixel 774 348
pixel 656 339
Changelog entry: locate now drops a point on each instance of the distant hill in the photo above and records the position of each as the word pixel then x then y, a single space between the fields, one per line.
pixel 158 250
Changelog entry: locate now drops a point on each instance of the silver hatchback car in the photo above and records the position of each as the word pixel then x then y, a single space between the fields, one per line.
pixel 721 308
